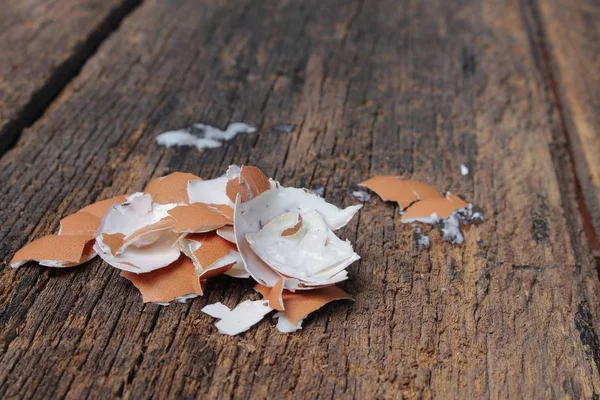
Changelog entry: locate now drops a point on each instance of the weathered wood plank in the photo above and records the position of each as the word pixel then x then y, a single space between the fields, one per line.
pixel 573 46
pixel 413 88
pixel 42 46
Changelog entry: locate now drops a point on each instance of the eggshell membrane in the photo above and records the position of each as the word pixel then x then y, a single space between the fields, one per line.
pixel 166 284
pixel 227 233
pixel 100 208
pixel 403 191
pixel 300 304
pixel 164 224
pixel 68 250
pixel 172 188
pixel 198 217
pixel 81 223
pixel 210 191
pixel 442 208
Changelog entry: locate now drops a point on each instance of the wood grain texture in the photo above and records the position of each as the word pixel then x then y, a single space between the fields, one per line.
pixel 409 88
pixel 43 44
pixel 573 41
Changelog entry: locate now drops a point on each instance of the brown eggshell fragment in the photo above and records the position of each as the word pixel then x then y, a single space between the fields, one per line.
pixel 168 283
pixel 293 229
pixel 114 241
pixel 211 273
pixel 275 296
pixel 81 223
pixel 198 217
pixel 250 183
pixel 300 304
pixel 213 248
pixel 100 208
pixel 443 208
pixel 171 188
pixel 403 191
pixel 69 250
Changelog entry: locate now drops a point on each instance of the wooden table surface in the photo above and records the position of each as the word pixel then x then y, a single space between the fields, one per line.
pixel 415 88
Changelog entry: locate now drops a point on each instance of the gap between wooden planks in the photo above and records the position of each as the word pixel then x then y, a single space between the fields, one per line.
pixel 374 87
pixel 43 45
pixel 571 51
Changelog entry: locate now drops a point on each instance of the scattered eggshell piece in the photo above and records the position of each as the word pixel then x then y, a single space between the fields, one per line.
pixel 54 251
pixel 403 191
pixel 241 318
pixel 275 296
pixel 298 305
pixel 198 217
pixel 443 207
pixel 284 325
pixel 216 310
pixel 172 188
pixel 174 281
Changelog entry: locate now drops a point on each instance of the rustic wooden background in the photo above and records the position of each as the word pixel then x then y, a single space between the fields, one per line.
pixel 415 88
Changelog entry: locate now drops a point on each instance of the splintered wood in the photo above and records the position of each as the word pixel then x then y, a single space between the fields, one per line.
pixel 181 230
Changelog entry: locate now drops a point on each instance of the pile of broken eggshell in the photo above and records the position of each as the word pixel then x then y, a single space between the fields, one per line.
pixel 181 230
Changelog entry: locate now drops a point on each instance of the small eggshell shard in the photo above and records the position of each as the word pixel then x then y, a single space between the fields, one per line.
pixel 211 137
pixel 245 315
pixel 308 254
pixel 428 210
pixel 172 188
pixel 177 281
pixel 198 217
pixel 298 305
pixel 216 310
pixel 403 191
pixel 275 296
pixel 284 325
pixel 250 183
pixel 421 240
pixel 54 251
pixel 211 254
pixel 361 196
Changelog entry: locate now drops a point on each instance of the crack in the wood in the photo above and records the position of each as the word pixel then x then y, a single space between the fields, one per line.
pixel 62 75
pixel 542 56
